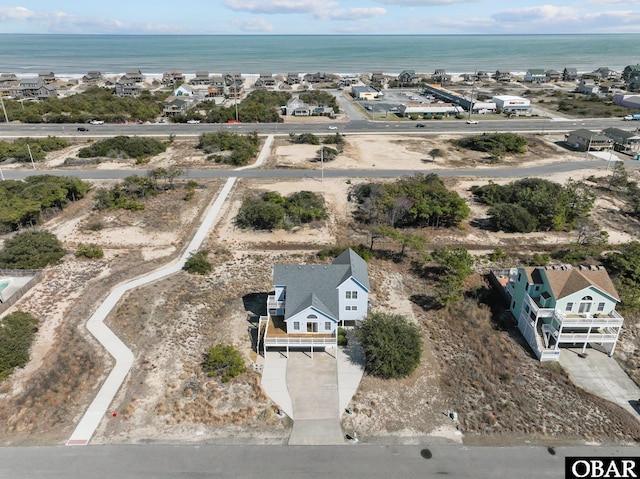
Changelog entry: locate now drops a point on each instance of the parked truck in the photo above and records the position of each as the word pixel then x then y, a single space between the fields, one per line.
pixel 632 117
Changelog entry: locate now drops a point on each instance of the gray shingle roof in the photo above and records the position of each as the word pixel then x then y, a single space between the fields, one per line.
pixel 316 285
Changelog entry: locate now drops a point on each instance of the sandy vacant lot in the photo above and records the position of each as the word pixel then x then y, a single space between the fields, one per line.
pixel 170 324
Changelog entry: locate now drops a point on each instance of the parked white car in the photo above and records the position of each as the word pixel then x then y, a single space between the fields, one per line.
pixel 97 122
pixel 332 127
pixel 193 122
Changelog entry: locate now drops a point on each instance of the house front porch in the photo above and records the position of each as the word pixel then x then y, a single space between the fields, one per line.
pixel 272 333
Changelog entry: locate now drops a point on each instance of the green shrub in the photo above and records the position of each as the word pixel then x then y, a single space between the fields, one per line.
pixel 31 250
pixel 230 148
pixel 392 345
pixel 197 263
pixel 496 144
pixel 89 251
pixel 16 334
pixel 342 337
pixel 137 147
pixel 224 361
pixel 272 211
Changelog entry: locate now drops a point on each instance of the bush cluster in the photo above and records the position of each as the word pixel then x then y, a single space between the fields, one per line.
pixel 16 334
pixel 534 204
pixel 124 147
pixel 415 201
pixel 31 250
pixel 320 98
pixel 89 251
pixel 497 144
pixel 271 210
pixel 224 361
pixel 230 148
pixel 126 195
pixel 392 345
pixel 24 203
pixel 18 150
pixel 197 263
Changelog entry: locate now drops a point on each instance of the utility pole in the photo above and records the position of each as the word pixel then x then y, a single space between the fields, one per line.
pixel 6 118
pixel 322 164
pixel 31 156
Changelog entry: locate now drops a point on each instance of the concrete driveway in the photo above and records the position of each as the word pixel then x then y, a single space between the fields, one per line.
pixel 601 375
pixel 314 392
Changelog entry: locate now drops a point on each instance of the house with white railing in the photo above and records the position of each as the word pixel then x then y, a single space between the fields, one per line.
pixel 310 301
pixel 563 306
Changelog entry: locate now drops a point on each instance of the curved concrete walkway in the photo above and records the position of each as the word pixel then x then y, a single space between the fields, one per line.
pixel 120 352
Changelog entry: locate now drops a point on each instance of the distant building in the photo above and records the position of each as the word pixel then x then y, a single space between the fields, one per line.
pixel 407 77
pixel 47 77
pixel 588 87
pixel 570 74
pixel 265 80
pixel 623 140
pixel 292 79
pixel 587 140
pixel 183 90
pixel 628 101
pixel 553 75
pixel 201 78
pixel 440 76
pixel 535 75
pixel 92 77
pixel 408 109
pixel 364 92
pixel 8 79
pixel 502 76
pixel 509 103
pixel 319 77
pixel 172 77
pixel 297 107
pixel 378 77
pixel 127 87
pixel 135 75
pixel 175 107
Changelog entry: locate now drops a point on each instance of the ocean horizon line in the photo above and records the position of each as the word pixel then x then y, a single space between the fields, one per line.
pixel 320 34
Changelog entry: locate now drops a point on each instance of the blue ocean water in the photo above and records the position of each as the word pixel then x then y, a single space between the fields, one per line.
pixel 77 54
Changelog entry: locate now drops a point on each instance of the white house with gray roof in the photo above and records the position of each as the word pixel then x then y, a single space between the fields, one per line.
pixel 311 301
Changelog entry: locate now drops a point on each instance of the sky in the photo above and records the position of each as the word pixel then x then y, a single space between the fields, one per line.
pixel 332 17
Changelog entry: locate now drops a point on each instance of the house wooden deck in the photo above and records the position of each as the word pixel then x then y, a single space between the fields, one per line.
pixel 272 332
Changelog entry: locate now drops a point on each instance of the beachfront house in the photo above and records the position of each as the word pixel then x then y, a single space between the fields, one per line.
pixel 378 78
pixel 47 77
pixel 292 79
pixel 265 80
pixel 535 75
pixel 172 77
pixel 570 74
pixel 201 78
pixel 92 77
pixel 553 75
pixel 135 75
pixel 587 140
pixel 8 79
pixel 407 77
pixel 310 301
pixel 320 77
pixel 559 306
pixel 440 76
pixel 502 76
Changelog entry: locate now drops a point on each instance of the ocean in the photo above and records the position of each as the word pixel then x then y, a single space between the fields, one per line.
pixel 77 54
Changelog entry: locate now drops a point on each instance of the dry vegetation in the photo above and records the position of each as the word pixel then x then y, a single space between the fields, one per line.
pixel 473 363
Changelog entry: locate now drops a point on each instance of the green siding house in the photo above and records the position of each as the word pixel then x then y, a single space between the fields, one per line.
pixel 563 306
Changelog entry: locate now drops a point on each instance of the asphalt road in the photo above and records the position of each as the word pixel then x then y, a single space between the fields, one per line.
pixel 300 462
pixel 543 170
pixel 355 126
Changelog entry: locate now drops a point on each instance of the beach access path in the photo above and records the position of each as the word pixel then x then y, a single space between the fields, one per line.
pixel 121 353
